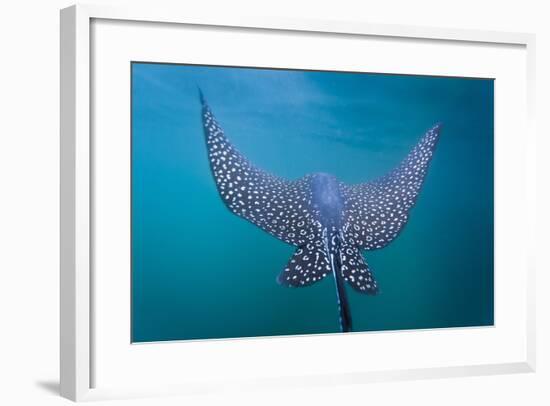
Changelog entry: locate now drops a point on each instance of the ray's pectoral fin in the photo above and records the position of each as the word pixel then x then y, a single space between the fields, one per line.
pixel 276 205
pixel 356 272
pixel 377 211
pixel 308 265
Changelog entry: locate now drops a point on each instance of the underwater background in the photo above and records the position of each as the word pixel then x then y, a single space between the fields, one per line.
pixel 198 271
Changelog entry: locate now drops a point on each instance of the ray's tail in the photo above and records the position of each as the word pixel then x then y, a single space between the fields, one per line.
pixel 341 296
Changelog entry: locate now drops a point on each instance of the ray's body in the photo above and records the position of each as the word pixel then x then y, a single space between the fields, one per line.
pixel 328 221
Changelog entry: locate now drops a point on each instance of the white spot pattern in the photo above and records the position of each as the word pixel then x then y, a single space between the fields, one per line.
pixel 375 212
pixel 355 270
pixel 280 207
pixel 308 265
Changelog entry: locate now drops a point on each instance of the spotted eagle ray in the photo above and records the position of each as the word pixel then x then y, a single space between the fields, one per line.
pixel 328 221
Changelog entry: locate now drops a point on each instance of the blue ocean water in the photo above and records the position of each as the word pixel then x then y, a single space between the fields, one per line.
pixel 198 271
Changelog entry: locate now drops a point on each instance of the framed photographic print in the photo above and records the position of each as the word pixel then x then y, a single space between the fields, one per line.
pixel 346 184
pixel 236 211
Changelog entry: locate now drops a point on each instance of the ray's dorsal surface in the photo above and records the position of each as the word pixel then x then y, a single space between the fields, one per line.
pixel 328 221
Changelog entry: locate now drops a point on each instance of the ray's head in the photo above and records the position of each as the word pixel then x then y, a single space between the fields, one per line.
pixel 327 197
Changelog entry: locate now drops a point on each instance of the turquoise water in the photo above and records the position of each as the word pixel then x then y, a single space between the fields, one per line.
pixel 199 271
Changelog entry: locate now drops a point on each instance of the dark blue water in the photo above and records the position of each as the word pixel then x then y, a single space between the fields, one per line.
pixel 199 271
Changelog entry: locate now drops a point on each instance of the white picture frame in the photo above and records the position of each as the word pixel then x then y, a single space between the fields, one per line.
pixel 77 220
